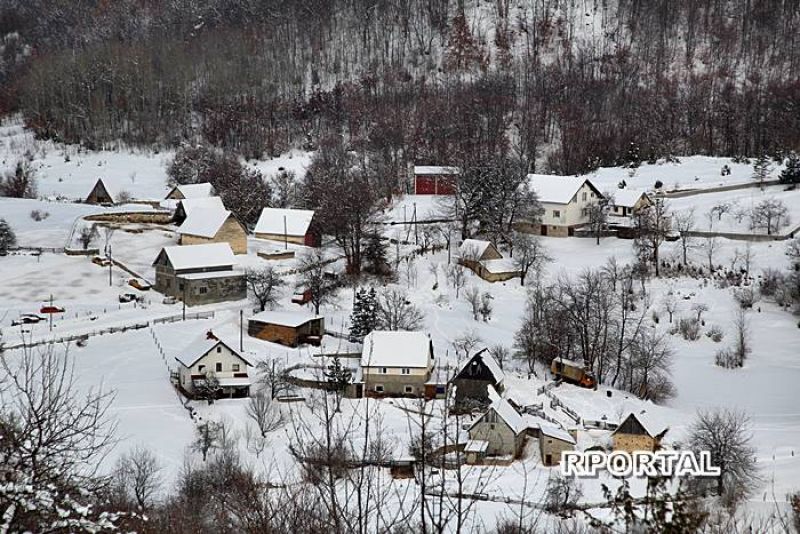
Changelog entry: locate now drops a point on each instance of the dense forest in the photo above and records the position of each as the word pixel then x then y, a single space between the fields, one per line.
pixel 564 85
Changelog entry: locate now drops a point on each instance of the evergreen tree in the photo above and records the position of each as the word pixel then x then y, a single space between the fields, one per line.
pixel 375 254
pixel 364 318
pixel 7 237
pixel 338 377
pixel 791 174
pixel 761 170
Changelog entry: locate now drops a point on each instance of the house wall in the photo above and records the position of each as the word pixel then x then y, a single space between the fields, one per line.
pixel 231 232
pixel 296 239
pixel 208 363
pixel 553 447
pixel 211 290
pixel 634 442
pixel 501 438
pixel 285 335
pixel 570 214
pixel 470 391
pixel 394 382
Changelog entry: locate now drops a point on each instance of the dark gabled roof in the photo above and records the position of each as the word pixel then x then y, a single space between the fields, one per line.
pixel 477 367
pixel 640 426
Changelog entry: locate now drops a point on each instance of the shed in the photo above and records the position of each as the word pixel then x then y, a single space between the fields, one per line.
pixel 503 427
pixel 291 328
pixel 628 202
pixel 552 442
pixel 638 432
pixel 483 258
pixel 435 180
pixel 103 192
pixel 187 191
pixel 213 225
pixel 288 226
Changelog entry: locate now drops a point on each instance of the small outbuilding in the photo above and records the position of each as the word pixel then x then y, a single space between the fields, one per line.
pixel 435 180
pixel 288 328
pixel 185 207
pixel 396 363
pixel 103 192
pixel 552 442
pixel 199 274
pixel 209 362
pixel 483 258
pixel 288 226
pixel 638 432
pixel 473 379
pixel 213 225
pixel 502 427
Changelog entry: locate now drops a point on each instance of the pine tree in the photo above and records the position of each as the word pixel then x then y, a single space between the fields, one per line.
pixel 338 377
pixel 357 318
pixel 7 237
pixel 375 253
pixel 761 169
pixel 791 174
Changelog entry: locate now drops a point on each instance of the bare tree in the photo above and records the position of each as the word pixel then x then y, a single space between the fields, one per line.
pixel 138 477
pixel 710 247
pixel 473 296
pixel 770 214
pixel 684 224
pixel 264 284
pixel 396 312
pixel 86 235
pixel 464 344
pixel 265 413
pixel 735 356
pixel 651 361
pixel 457 276
pixel 207 437
pixel 598 216
pixel 652 226
pixel 530 253
pixel 670 304
pixel 726 434
pixel 284 189
pixel 312 278
pixel 273 377
pixel 19 184
pixel 500 353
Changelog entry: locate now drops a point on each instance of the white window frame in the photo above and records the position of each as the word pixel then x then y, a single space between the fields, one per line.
pixel 383 370
pixel 235 367
pixel 556 214
pixel 378 388
pixel 408 389
pixel 406 371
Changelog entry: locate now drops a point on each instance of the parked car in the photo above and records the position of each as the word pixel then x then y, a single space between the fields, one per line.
pixel 51 309
pixel 139 284
pixel 101 261
pixel 27 318
pixel 169 300
pixel 127 297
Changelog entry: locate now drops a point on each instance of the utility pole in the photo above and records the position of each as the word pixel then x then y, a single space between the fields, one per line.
pixel 110 264
pixel 241 330
pixel 51 312
pixel 184 299
pixel 285 234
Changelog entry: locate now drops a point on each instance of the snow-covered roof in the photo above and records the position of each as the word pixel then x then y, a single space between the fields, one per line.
pixel 191 204
pixel 435 170
pixel 627 198
pixel 284 317
pixel 111 188
pixel 200 347
pixel 556 433
pixel 651 424
pixel 191 191
pixel 198 256
pixel 572 363
pixel 476 445
pixel 271 221
pixel 474 248
pixel 490 364
pixel 507 413
pixel 204 222
pixel 502 265
pixel 556 189
pixel 396 349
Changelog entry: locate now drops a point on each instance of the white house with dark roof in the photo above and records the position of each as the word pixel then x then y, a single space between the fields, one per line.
pixel 213 225
pixel 199 274
pixel 565 201
pixel 210 361
pixel 396 363
pixel 288 226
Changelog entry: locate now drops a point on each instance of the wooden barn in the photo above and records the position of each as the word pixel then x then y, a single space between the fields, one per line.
pixel 288 226
pixel 213 225
pixel 199 274
pixel 435 180
pixel 287 327
pixel 102 193
pixel 638 433
pixel 184 208
pixel 473 379
pixel 483 258
pixel 188 191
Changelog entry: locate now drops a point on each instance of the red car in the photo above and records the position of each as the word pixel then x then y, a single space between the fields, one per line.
pixel 51 309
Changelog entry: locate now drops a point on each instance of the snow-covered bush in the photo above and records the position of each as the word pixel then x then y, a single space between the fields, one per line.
pixel 7 237
pixel 689 328
pixel 39 215
pixel 715 333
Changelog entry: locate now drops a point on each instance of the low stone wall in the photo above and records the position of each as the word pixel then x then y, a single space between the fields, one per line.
pixel 148 217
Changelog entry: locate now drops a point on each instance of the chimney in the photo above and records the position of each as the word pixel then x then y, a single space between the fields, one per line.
pixel 210 335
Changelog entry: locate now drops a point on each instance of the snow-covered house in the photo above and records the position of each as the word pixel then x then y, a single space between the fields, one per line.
pixel 565 201
pixel 188 191
pixel 473 379
pixel 187 206
pixel 289 226
pixel 435 180
pixel 396 363
pixel 483 258
pixel 627 202
pixel 552 442
pixel 502 427
pixel 209 362
pixel 289 328
pixel 104 192
pixel 213 225
pixel 199 274
pixel 638 432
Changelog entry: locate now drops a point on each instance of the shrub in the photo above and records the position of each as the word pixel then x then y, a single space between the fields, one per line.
pixel 728 359
pixel 771 280
pixel 689 327
pixel 715 333
pixel 38 215
pixel 746 297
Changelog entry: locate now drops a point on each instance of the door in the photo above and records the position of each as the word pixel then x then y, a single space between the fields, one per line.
pixel 543 229
pixel 548 459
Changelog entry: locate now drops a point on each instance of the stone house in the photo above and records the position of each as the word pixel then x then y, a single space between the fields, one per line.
pixel 435 180
pixel 184 208
pixel 552 442
pixel 396 363
pixel 287 327
pixel 502 427
pixel 288 226
pixel 483 258
pixel 473 379
pixel 213 225
pixel 565 201
pixel 627 202
pixel 638 432
pixel 209 357
pixel 199 274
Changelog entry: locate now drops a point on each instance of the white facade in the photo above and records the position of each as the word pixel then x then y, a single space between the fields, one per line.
pixel 217 358
pixel 572 213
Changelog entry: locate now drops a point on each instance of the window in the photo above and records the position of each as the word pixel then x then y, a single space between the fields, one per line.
pixel 383 370
pixel 203 290
pixel 583 196
pixel 219 367
pixel 235 367
pixel 180 286
pixel 406 371
pixel 556 214
pixel 491 426
pixel 409 389
pixel 201 368
pixel 379 388
pixel 219 348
